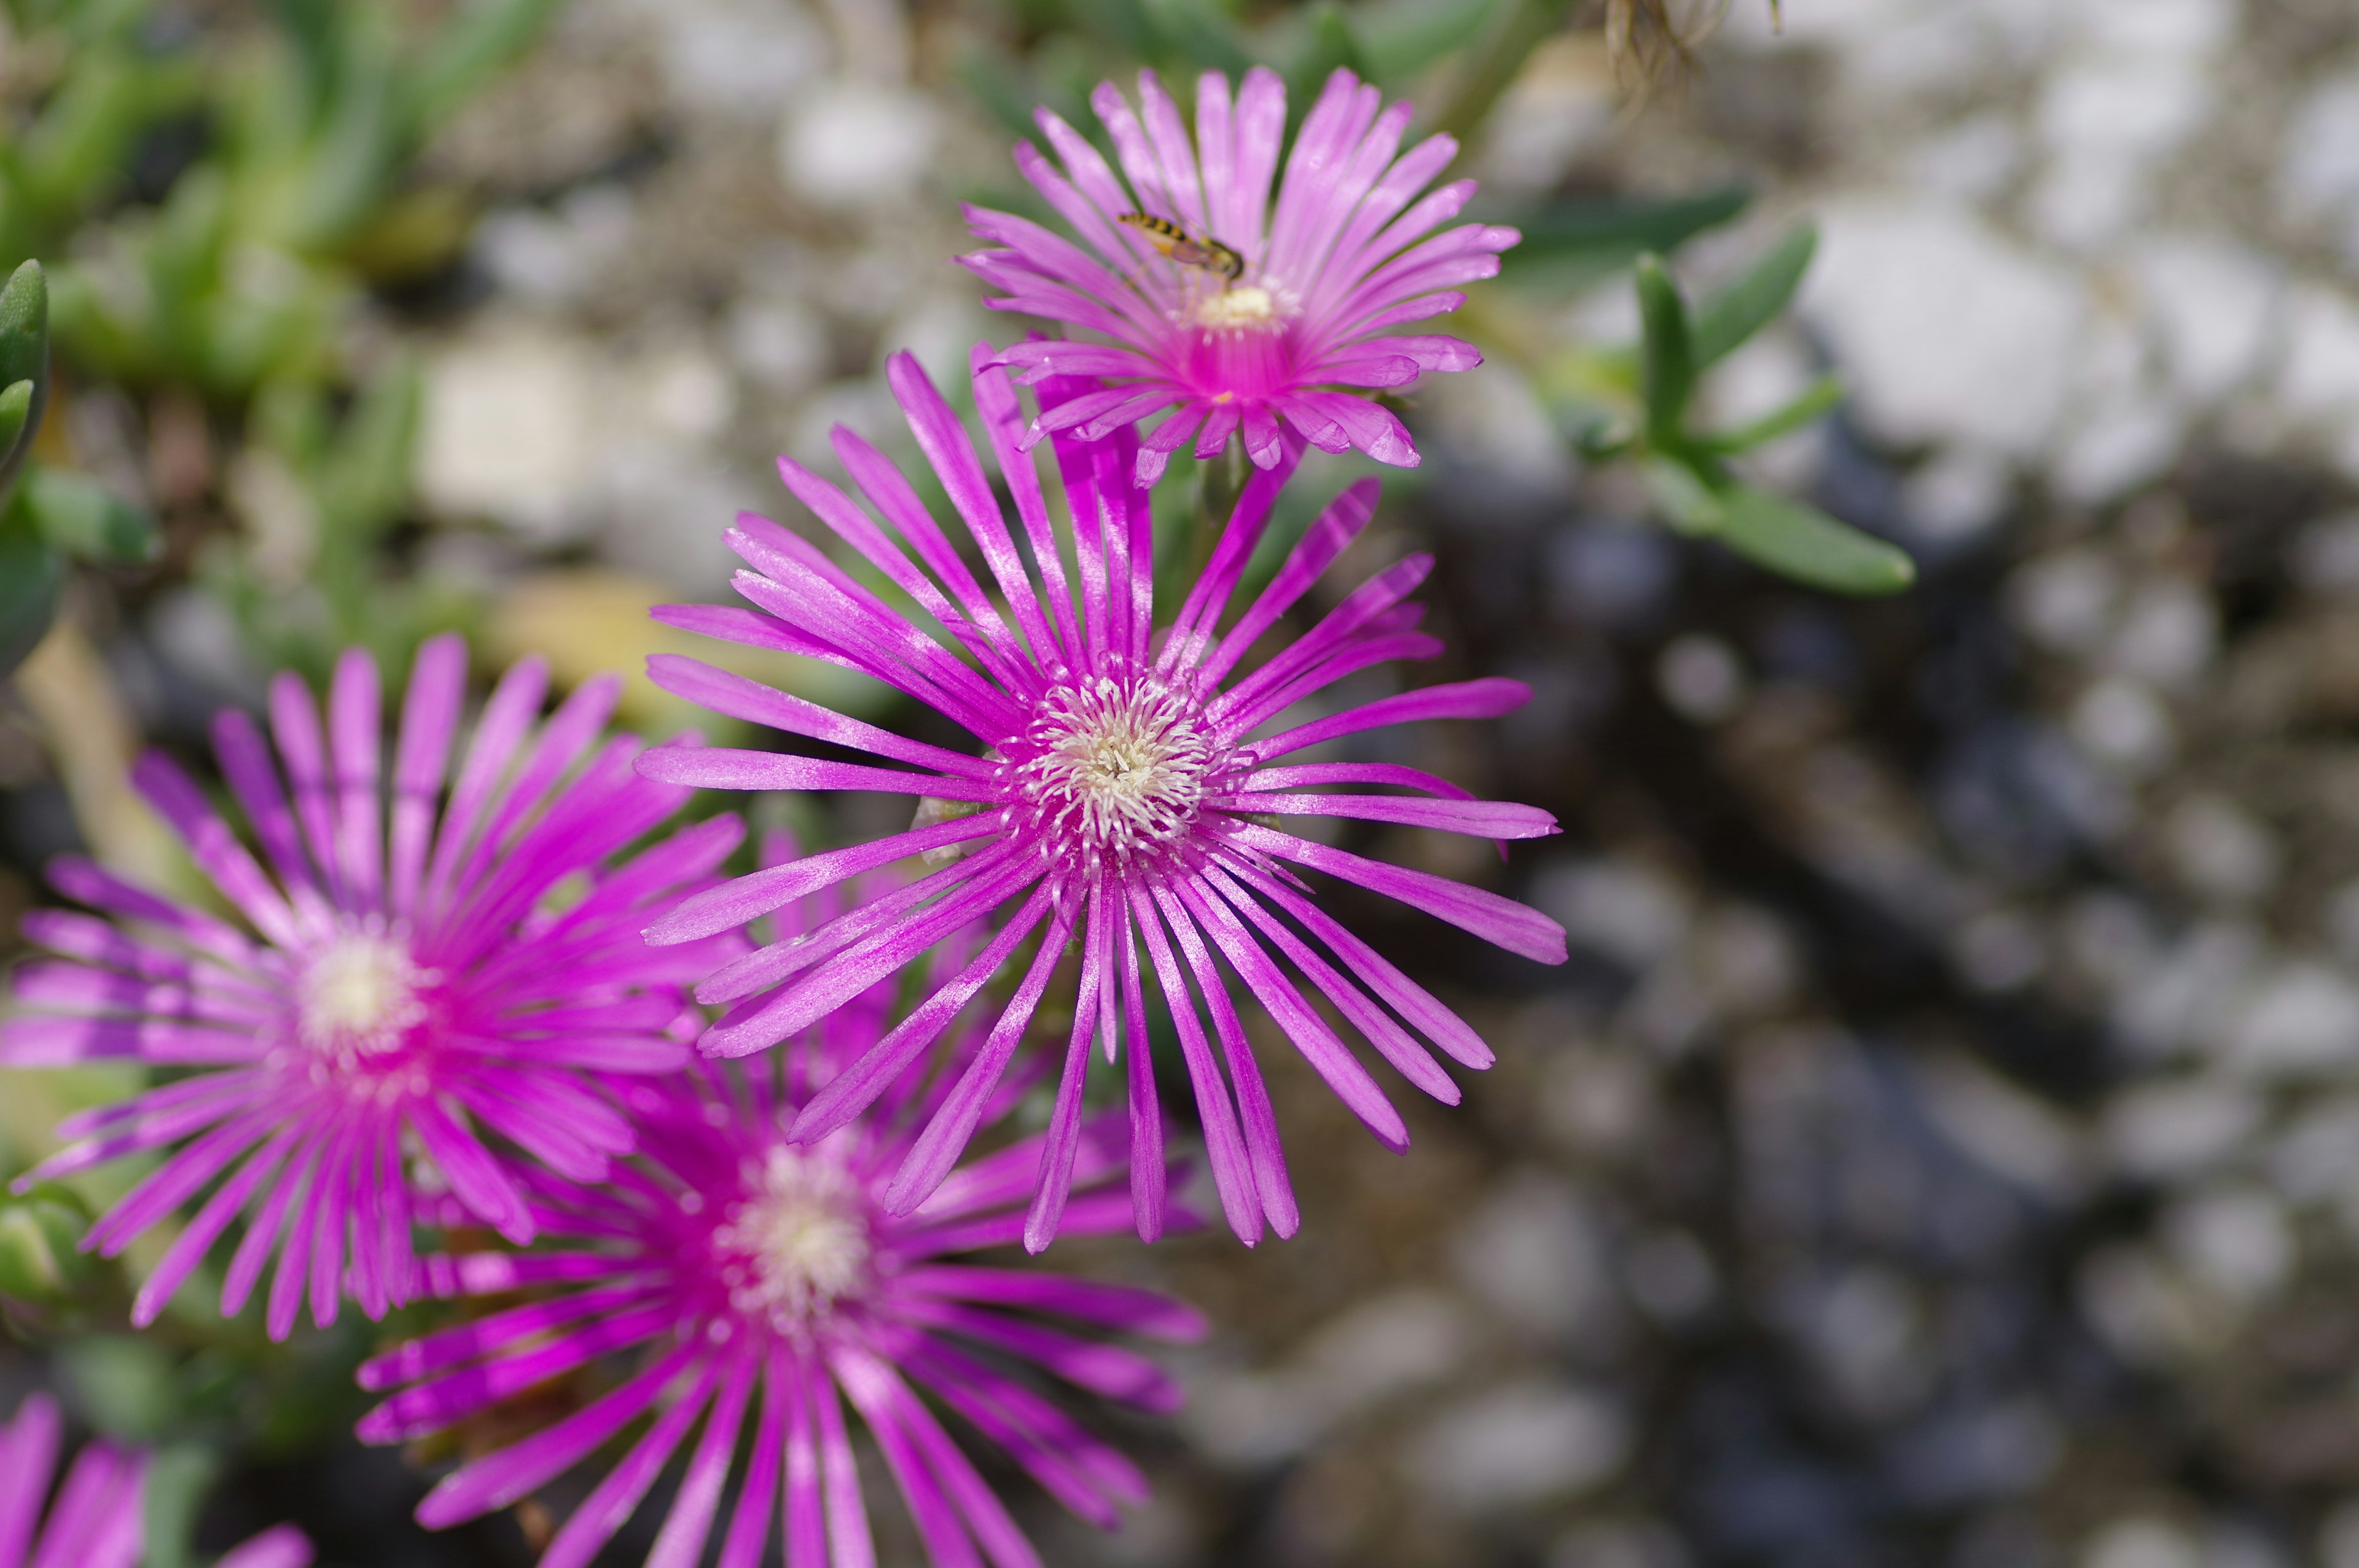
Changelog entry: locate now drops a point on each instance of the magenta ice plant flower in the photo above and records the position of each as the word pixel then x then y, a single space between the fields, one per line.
pixel 413 975
pixel 1125 793
pixel 99 1517
pixel 1188 290
pixel 759 1284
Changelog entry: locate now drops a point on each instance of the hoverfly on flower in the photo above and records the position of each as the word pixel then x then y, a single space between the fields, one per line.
pixel 1177 245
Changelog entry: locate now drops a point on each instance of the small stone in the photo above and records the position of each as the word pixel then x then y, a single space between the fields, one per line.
pixel 2165 635
pixel 2121 446
pixel 858 144
pixel 2317 1156
pixel 2167 1128
pixel 1634 1543
pixel 1530 1251
pixel 2320 379
pixel 1957 497
pixel 2318 177
pixel 1561 103
pixel 1499 424
pixel 2142 1309
pixel 2119 722
pixel 1867 1332
pixel 2214 304
pixel 1671 1276
pixel 2186 28
pixel 2305 1018
pixel 557 257
pixel 2065 600
pixel 1948 332
pixel 1624 909
pixel 1609 574
pixel 2009 1132
pixel 2219 851
pixel 2237 1241
pixel 779 344
pixel 2190 995
pixel 738 57
pixel 2338 1538
pixel 1387 1345
pixel 1983 1451
pixel 1972 161
pixel 1999 951
pixel 688 394
pixel 510 429
pixel 1516 1446
pixel 1701 678
pixel 2110 119
pixel 2143 1544
pixel 1597 1101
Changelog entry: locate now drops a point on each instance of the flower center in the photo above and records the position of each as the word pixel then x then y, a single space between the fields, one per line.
pixel 358 997
pixel 799 1243
pixel 1119 768
pixel 1234 310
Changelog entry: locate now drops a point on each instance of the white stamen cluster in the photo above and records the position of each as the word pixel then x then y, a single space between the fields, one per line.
pixel 358 997
pixel 799 1244
pixel 1234 310
pixel 1117 769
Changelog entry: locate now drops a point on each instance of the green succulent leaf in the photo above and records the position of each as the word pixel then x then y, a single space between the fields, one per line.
pixel 1732 317
pixel 1330 43
pixel 1805 543
pixel 75 513
pixel 25 325
pixel 178 1480
pixel 16 425
pixel 1686 500
pixel 478 43
pixel 1667 359
pixel 1816 400
pixel 31 575
pixel 1400 39
pixel 1198 33
pixel 1589 235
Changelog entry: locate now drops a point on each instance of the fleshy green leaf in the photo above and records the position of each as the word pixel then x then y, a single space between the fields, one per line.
pixel 1816 399
pixel 1400 39
pixel 1605 235
pixel 1667 362
pixel 477 43
pixel 1753 301
pixel 1201 34
pixel 74 513
pixel 1686 501
pixel 1805 543
pixel 25 325
pixel 31 575
pixel 16 427
pixel 178 1480
pixel 1329 43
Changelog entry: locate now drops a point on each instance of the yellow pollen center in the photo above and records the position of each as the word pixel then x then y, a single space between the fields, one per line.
pixel 1249 306
pixel 358 997
pixel 799 1243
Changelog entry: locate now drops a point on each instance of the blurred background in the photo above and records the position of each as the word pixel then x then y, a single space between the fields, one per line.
pixel 1943 1147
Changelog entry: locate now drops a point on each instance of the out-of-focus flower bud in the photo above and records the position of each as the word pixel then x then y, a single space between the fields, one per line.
pixel 41 1234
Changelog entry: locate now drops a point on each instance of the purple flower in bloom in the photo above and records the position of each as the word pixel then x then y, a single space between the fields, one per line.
pixel 1127 795
pixel 99 1515
pixel 1198 297
pixel 762 1283
pixel 411 977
